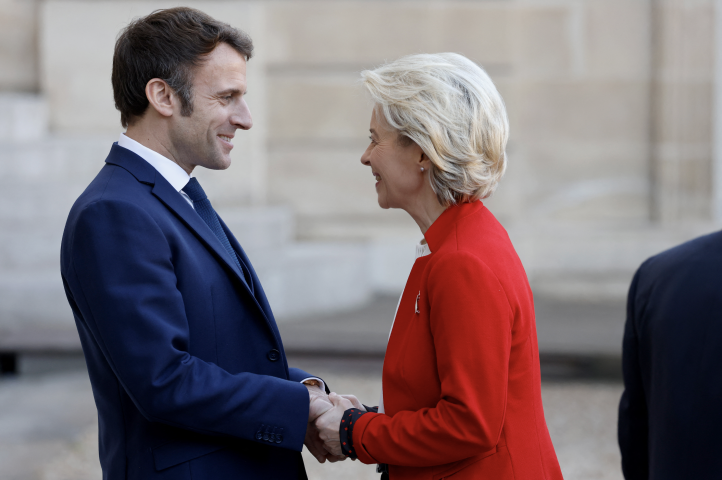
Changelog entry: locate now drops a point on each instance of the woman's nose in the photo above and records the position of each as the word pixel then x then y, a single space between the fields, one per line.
pixel 364 158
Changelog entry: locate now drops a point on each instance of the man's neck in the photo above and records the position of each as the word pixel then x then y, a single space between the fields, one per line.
pixel 152 140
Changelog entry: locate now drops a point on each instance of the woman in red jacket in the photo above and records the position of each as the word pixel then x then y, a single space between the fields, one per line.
pixel 461 383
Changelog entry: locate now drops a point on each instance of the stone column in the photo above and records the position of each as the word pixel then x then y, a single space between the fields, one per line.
pixel 717 132
pixel 18 37
pixel 681 109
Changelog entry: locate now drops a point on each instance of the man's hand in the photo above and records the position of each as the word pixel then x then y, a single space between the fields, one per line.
pixel 329 423
pixel 318 402
pixel 318 405
pixel 314 443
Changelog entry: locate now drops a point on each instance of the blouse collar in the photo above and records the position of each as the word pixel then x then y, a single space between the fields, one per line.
pixel 422 249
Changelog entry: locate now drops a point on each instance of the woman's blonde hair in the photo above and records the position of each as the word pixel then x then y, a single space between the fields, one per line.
pixel 449 107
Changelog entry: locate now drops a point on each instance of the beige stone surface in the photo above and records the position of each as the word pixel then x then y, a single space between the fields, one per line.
pixel 77 50
pixel 323 181
pixel 482 31
pixel 353 33
pixel 574 76
pixel 18 45
pixel 616 36
pixel 684 112
pixel 610 102
pixel 684 35
pixel 545 41
pixel 583 111
pixel 681 113
pixel 328 108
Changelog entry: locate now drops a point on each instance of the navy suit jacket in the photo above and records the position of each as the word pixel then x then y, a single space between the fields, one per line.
pixel 186 362
pixel 670 415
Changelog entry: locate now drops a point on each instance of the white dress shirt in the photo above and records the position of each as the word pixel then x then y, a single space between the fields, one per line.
pixel 178 178
pixel 171 171
pixel 422 249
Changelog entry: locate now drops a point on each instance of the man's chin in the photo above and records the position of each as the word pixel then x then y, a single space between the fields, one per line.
pixel 218 163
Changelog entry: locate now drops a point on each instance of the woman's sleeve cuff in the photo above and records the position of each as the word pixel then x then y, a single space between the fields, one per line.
pixel 349 419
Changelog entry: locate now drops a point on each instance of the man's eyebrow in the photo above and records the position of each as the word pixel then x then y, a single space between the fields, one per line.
pixel 230 91
pixel 373 132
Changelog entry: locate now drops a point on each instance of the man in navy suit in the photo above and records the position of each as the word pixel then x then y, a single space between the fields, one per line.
pixel 186 363
pixel 670 415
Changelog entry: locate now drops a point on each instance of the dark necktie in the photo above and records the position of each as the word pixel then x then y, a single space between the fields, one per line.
pixel 205 210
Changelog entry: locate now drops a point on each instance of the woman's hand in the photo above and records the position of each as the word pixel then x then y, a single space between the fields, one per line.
pixel 329 423
pixel 354 401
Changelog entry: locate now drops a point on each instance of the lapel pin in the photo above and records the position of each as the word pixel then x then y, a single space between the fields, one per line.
pixel 416 308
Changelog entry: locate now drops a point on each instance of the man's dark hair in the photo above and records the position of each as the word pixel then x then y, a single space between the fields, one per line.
pixel 167 44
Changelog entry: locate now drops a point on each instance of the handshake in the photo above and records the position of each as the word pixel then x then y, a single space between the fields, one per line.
pixel 324 421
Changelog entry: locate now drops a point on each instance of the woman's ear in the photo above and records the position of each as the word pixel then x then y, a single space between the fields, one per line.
pixel 160 96
pixel 424 161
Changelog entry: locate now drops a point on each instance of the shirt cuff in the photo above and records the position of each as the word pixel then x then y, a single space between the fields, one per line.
pixel 313 380
pixel 345 431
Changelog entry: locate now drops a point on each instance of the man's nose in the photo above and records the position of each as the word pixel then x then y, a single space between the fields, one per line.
pixel 242 117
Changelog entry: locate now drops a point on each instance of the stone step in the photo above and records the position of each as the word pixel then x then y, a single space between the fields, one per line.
pixel 30 237
pixel 299 280
pixel 33 299
pixel 312 278
pixel 578 262
pixel 23 117
pixel 37 202
pixel 260 228
pixel 56 158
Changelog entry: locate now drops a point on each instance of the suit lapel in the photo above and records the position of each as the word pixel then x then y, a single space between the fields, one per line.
pixel 260 296
pixel 145 173
pixel 178 205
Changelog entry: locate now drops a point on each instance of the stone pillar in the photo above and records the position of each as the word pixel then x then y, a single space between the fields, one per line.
pixel 18 45
pixel 717 138
pixel 681 109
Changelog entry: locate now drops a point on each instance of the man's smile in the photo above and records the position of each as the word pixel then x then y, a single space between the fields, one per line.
pixel 226 140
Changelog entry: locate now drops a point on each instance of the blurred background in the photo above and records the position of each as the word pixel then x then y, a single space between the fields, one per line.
pixel 614 155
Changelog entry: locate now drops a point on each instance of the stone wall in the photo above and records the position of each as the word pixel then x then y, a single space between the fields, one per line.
pixel 18 45
pixel 682 92
pixel 575 76
pixel 610 104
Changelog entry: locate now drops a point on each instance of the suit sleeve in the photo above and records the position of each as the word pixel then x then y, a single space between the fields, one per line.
pixel 470 321
pixel 633 421
pixel 298 375
pixel 127 287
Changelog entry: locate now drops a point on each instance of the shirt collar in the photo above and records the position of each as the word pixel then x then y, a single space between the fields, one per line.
pixel 170 170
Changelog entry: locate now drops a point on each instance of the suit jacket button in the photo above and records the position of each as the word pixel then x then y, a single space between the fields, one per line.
pixel 274 355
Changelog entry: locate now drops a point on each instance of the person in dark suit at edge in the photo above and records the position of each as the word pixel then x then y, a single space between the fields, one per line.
pixel 670 414
pixel 186 363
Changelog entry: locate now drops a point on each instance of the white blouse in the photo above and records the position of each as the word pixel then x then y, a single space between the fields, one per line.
pixel 422 249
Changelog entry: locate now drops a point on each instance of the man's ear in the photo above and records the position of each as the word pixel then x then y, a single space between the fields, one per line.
pixel 160 96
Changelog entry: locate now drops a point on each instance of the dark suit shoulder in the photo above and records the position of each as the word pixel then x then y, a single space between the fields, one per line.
pixel 699 251
pixel 113 183
pixel 687 270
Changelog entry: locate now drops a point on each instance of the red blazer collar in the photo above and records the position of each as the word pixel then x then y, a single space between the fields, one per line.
pixel 440 229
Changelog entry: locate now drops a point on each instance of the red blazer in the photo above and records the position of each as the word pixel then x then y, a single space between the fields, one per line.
pixel 461 381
